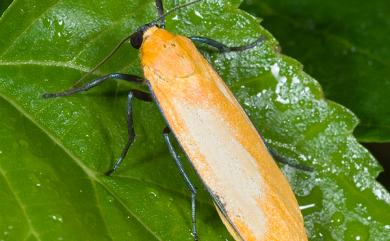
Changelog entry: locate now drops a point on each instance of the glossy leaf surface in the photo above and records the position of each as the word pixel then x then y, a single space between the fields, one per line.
pixel 53 153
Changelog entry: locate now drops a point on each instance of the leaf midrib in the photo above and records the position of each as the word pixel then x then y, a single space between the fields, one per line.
pixel 85 70
pixel 48 64
pixel 90 173
pixel 15 40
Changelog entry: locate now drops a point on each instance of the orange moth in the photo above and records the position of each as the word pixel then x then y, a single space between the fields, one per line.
pixel 252 196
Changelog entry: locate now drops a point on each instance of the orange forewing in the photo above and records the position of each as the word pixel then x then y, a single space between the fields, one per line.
pixel 254 197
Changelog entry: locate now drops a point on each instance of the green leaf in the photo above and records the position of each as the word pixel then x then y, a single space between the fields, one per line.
pixel 4 5
pixel 53 153
pixel 345 45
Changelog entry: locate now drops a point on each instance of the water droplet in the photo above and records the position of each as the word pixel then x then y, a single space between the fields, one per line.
pixel 154 194
pixel 337 220
pixel 275 70
pixel 356 231
pixel 38 184
pixel 57 218
pixel 295 80
pixel 175 18
pixel 380 193
pixel 10 227
pixel 198 14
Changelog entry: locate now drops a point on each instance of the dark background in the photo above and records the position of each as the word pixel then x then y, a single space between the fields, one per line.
pixel 382 153
pixel 296 40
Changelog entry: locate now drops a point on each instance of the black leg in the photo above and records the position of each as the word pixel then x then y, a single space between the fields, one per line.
pixel 286 161
pixel 133 93
pixel 282 159
pixel 160 10
pixel 93 83
pixel 130 129
pixel 223 48
pixel 187 181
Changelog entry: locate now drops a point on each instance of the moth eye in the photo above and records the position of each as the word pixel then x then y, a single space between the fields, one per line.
pixel 136 39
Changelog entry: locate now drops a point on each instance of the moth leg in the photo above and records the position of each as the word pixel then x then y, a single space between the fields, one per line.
pixel 133 93
pixel 222 48
pixel 282 159
pixel 160 10
pixel 187 181
pixel 94 83
pixel 130 129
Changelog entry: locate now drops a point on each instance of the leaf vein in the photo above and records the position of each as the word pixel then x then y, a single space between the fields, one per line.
pixel 99 209
pixel 32 230
pixel 100 34
pixel 127 209
pixel 90 173
pixel 15 41
pixel 165 188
